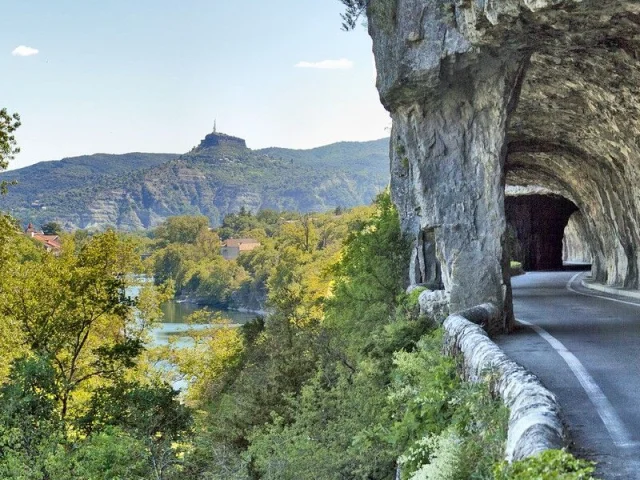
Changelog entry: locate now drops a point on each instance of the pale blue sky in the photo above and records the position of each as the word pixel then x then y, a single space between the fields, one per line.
pixel 151 75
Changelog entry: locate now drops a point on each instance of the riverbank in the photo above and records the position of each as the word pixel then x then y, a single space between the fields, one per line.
pixel 198 303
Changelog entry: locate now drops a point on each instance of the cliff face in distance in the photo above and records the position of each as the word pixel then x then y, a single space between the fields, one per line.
pixel 220 176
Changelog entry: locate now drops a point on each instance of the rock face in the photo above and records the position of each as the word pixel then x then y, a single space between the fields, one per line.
pixel 537 93
pixel 434 304
pixel 222 140
pixel 538 222
pixel 575 244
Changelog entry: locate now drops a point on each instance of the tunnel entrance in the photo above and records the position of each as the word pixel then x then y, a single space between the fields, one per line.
pixel 536 227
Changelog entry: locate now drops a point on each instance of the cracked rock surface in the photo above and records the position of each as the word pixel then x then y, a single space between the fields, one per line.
pixel 532 93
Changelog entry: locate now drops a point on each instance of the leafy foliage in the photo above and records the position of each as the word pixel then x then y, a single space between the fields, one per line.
pixel 9 123
pixel 69 404
pixel 182 229
pixel 211 359
pixel 73 309
pixel 344 379
pixel 549 465
pixel 354 10
pixel 29 422
pixel 51 228
pixel 369 277
pixel 442 420
pixel 111 454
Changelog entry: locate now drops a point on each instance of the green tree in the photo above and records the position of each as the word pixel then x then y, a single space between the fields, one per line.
pixel 30 427
pixel 51 228
pixel 8 149
pixel 151 413
pixel 111 454
pixel 369 277
pixel 9 123
pixel 214 353
pixel 337 427
pixel 237 224
pixel 171 263
pixel 354 9
pixel 338 430
pixel 217 280
pixel 301 233
pixel 74 310
pixel 181 229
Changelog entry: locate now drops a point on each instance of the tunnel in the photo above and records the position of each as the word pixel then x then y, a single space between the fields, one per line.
pixel 488 96
pixel 537 226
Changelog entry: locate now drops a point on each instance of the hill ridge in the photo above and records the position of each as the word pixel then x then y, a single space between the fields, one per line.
pixel 219 176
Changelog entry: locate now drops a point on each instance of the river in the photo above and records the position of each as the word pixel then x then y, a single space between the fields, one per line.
pixel 175 315
pixel 173 323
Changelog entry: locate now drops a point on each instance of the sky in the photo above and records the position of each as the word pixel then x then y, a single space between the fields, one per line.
pixel 116 76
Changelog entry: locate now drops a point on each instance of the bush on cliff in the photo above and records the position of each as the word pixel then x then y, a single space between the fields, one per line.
pixel 549 465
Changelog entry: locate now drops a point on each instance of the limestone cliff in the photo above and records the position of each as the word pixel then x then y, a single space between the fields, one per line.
pixel 521 92
pixel 575 244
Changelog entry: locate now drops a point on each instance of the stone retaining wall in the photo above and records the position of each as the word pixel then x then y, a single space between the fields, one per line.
pixel 534 418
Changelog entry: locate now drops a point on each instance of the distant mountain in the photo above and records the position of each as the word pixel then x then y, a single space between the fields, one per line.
pixel 47 179
pixel 220 176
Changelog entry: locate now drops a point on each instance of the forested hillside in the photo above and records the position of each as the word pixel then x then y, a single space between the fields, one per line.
pixel 37 184
pixel 137 191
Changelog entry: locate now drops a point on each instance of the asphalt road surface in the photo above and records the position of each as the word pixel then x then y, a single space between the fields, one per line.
pixel 585 347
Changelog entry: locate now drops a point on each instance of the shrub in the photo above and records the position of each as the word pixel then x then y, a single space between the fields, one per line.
pixel 414 296
pixel 446 457
pixel 549 465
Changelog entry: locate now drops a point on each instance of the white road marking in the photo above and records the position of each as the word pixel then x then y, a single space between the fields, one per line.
pixel 607 413
pixel 573 290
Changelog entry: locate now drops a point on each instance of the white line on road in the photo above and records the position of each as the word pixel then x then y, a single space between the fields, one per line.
pixel 607 413
pixel 573 290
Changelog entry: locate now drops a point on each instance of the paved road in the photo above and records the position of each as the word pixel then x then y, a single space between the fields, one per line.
pixel 586 349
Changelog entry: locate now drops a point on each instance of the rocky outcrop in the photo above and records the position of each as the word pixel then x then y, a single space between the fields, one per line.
pixel 434 304
pixel 537 93
pixel 216 139
pixel 534 413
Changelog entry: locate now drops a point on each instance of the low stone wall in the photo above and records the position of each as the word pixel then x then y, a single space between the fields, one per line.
pixel 534 418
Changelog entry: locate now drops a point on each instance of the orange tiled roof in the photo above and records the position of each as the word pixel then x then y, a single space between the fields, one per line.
pixel 52 241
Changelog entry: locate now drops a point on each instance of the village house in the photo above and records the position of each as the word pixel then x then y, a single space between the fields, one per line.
pixel 51 243
pixel 233 247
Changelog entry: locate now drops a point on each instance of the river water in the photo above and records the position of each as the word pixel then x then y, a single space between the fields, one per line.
pixel 174 321
pixel 175 316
